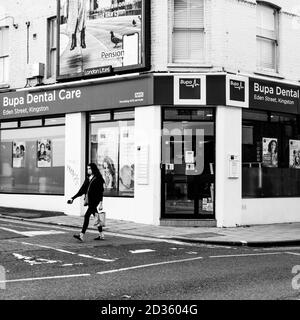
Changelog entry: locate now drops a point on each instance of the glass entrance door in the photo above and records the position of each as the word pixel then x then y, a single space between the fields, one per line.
pixel 188 164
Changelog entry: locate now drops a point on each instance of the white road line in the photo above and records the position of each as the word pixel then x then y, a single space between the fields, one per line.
pixel 246 255
pixel 293 253
pixel 33 233
pixel 141 251
pixel 64 251
pixel 47 278
pixel 95 258
pixel 41 233
pixel 11 230
pixel 45 247
pixel 148 265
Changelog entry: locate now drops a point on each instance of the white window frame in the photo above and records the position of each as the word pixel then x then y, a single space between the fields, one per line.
pixel 275 40
pixel 188 62
pixel 4 60
pixel 51 47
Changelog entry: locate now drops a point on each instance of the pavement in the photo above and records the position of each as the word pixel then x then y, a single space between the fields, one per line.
pixel 255 236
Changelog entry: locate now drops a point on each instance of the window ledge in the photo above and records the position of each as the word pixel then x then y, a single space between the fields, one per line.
pixel 189 65
pixel 4 85
pixel 269 74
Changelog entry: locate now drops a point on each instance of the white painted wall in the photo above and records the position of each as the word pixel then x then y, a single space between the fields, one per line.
pixel 228 141
pixel 75 146
pixel 34 202
pixel 270 210
pixel 147 197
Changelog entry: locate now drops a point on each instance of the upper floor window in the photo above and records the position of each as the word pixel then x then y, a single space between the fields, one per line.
pixel 267 37
pixel 4 55
pixel 51 65
pixel 188 31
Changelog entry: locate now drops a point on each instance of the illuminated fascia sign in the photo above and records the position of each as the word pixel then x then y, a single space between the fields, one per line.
pixel 96 38
pixel 237 91
pixel 108 95
pixel 190 89
pixel 274 96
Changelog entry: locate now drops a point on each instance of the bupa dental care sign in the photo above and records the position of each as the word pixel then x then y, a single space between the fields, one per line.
pixel 190 89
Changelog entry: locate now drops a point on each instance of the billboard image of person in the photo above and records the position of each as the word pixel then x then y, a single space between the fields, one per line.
pixel 94 34
pixel 18 154
pixel 295 154
pixel 107 157
pixel 270 152
pixel 44 154
pixel 127 159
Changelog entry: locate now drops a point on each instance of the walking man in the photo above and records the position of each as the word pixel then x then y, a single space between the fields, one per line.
pixel 93 189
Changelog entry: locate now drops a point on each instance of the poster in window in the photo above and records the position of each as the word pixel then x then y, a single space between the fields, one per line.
pixel 107 156
pixel 270 152
pixel 127 154
pixel 19 149
pixel 295 154
pixel 44 153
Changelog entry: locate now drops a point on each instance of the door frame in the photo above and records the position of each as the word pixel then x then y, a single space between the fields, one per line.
pixel 164 215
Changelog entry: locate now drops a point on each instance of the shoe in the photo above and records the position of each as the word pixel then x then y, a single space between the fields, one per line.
pixel 101 237
pixel 78 237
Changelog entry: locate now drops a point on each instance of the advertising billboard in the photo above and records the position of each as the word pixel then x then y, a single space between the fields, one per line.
pixel 101 37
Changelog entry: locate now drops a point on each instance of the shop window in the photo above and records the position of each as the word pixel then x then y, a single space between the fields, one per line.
pixel 267 37
pixel 188 31
pixel 112 148
pixel 271 155
pixel 31 123
pixel 54 121
pixel 7 125
pixel 4 55
pixel 32 159
pixel 51 57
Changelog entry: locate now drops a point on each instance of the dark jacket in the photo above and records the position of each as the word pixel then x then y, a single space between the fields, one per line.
pixel 95 191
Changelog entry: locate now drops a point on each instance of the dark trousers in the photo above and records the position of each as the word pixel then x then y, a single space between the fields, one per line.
pixel 86 221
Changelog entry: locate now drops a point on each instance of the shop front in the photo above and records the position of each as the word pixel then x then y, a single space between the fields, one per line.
pixel 183 149
pixel 270 149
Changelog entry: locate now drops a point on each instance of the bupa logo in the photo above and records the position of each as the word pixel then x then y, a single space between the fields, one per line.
pixel 237 90
pixel 189 88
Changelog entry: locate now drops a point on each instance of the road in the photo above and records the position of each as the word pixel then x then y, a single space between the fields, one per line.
pixel 45 262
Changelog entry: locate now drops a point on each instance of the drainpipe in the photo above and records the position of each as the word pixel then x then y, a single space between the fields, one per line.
pixel 28 25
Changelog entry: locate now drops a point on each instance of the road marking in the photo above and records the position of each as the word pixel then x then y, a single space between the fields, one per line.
pixel 72 264
pixel 293 253
pixel 64 251
pixel 148 265
pixel 246 255
pixel 142 251
pixel 45 247
pixel 279 248
pixel 33 260
pixel 41 233
pixel 33 233
pixel 47 278
pixel 95 258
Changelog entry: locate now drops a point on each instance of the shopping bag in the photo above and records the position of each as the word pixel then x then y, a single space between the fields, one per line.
pixel 100 219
